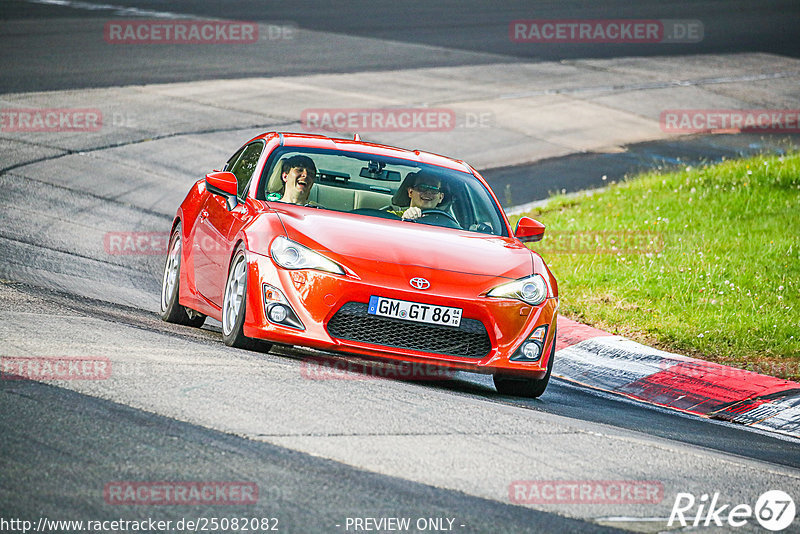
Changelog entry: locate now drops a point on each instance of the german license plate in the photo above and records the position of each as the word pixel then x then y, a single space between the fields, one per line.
pixel 414 311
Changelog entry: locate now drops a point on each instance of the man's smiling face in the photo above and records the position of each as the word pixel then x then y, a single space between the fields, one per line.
pixel 298 181
pixel 426 195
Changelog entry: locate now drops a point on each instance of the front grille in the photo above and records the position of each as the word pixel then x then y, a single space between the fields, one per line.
pixel 353 323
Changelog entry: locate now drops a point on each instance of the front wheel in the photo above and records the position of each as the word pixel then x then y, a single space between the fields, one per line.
pixel 234 307
pixel 525 387
pixel 171 309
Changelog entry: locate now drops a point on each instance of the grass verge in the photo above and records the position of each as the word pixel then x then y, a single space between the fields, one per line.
pixel 703 261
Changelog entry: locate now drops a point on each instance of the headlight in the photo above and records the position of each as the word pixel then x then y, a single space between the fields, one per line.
pixel 291 255
pixel 531 289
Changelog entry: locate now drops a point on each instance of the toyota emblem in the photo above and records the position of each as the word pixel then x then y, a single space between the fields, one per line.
pixel 419 283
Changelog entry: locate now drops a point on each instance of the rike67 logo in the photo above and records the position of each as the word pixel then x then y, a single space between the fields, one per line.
pixel 774 510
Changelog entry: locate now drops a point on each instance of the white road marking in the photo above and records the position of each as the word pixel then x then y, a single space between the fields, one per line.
pixel 117 10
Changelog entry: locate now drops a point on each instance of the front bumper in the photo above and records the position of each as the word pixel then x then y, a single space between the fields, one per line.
pixel 321 300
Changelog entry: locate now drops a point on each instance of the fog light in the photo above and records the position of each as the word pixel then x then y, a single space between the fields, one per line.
pixel 278 313
pixel 531 350
pixel 278 310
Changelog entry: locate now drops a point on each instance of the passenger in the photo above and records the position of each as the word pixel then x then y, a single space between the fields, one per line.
pixel 425 193
pixel 298 175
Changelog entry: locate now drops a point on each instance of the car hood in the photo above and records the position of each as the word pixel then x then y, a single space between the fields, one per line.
pixel 359 240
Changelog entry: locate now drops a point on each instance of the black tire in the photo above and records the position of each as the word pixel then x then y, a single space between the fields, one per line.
pixel 525 387
pixel 171 310
pixel 232 313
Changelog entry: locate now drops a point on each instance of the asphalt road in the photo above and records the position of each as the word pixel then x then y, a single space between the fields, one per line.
pixel 49 47
pixel 520 185
pixel 182 406
pixel 296 492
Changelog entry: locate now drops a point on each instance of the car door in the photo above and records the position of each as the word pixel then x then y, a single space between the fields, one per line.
pixel 217 227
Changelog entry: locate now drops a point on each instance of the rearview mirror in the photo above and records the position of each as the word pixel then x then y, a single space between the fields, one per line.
pixel 529 230
pixel 224 182
pixel 383 174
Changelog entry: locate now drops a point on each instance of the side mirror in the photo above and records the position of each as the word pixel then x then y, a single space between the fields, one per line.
pixel 529 230
pixel 222 183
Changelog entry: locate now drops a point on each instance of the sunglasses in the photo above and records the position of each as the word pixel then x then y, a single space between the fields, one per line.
pixel 427 187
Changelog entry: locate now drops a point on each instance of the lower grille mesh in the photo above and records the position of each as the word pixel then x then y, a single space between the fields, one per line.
pixel 353 323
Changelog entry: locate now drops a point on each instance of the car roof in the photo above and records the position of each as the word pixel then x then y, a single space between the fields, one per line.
pixel 332 143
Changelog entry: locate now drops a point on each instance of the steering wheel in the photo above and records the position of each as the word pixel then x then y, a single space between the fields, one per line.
pixel 438 216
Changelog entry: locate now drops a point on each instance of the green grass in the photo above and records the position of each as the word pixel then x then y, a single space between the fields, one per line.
pixel 718 276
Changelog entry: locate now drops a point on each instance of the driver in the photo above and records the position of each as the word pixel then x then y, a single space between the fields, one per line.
pixel 298 175
pixel 425 194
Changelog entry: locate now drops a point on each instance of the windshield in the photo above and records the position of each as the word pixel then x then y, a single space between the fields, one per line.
pixel 375 186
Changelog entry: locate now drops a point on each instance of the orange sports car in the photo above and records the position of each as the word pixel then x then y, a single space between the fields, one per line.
pixel 360 248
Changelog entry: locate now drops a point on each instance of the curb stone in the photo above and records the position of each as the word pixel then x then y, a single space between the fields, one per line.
pixel 600 360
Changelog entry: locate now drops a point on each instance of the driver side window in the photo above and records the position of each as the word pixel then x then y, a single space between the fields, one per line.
pixel 244 166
